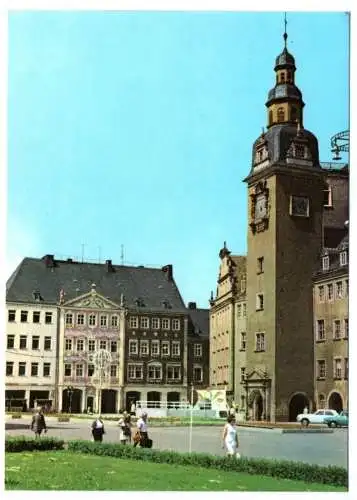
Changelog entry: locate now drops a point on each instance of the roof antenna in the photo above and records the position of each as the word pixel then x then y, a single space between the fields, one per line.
pixel 122 255
pixel 285 33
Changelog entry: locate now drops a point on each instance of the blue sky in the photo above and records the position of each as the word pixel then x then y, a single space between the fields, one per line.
pixel 136 129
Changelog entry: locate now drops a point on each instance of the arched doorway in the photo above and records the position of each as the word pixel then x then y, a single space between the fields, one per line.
pixel 154 399
pixel 109 398
pixel 130 398
pixel 256 404
pixel 335 402
pixel 297 404
pixel 172 399
pixel 71 401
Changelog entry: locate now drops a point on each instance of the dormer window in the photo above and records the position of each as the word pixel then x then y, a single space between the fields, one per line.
pixel 37 296
pixel 343 258
pixel 325 263
pixel 299 151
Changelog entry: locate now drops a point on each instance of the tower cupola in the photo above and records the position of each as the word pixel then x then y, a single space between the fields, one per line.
pixel 285 104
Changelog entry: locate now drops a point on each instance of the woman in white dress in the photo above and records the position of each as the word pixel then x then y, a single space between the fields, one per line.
pixel 230 437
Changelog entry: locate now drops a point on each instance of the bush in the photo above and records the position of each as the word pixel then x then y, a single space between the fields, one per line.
pixel 22 443
pixel 336 476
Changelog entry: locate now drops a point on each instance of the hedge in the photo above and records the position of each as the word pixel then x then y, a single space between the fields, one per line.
pixel 22 443
pixel 332 475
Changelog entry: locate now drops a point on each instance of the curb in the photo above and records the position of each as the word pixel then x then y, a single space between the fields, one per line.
pixel 307 431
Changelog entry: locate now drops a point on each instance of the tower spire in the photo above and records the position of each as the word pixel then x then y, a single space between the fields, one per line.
pixel 285 33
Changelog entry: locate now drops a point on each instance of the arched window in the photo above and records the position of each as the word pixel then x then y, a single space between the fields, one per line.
pixel 282 77
pixel 270 117
pixel 293 114
pixel 281 115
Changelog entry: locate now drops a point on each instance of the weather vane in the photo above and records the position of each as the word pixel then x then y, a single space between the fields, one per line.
pixel 285 24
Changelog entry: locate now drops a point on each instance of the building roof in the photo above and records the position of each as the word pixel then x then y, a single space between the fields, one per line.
pixel 155 288
pixel 200 321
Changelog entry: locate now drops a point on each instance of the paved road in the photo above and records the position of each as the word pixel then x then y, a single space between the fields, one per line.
pixel 323 449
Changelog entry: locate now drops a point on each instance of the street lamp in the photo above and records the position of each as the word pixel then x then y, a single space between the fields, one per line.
pixel 70 391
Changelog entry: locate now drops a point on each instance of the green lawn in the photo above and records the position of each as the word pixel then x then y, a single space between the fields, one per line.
pixel 63 470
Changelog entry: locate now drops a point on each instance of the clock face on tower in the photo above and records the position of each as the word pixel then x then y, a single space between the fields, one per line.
pixel 260 207
pixel 299 206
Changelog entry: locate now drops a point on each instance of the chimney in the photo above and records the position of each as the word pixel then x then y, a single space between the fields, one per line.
pixel 168 271
pixel 49 260
pixel 192 305
pixel 110 268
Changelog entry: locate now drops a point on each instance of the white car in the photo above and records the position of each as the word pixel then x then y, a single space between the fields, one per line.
pixel 315 418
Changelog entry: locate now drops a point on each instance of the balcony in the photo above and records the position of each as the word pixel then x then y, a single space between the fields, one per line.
pixel 93 381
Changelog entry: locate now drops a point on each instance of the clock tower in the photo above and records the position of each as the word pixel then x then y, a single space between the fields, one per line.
pixel 285 207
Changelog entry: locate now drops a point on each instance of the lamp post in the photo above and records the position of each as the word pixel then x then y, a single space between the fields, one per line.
pixel 191 420
pixel 70 390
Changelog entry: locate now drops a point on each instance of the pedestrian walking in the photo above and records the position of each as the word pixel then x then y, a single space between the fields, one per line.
pixel 141 436
pixel 98 429
pixel 230 437
pixel 125 428
pixel 38 423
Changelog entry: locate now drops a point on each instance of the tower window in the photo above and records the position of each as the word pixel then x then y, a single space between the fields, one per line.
pixel 289 76
pixel 293 114
pixel 328 197
pixel 270 117
pixel 281 115
pixel 282 77
pixel 299 150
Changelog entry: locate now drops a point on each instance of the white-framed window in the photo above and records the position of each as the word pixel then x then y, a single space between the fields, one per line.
pixel 155 323
pixel 135 371
pixel 321 293
pixel 144 347
pixel 320 327
pixel 175 348
pixel 91 345
pixel 23 342
pixel 337 368
pixel 103 320
pixel 35 342
pixel 34 369
pixel 69 319
pixel 48 318
pixel 80 345
pixel 165 348
pixel 46 369
pixel 80 319
pixel 144 322
pixel 239 310
pixel 197 373
pixel 11 315
pixel 134 322
pixel 343 258
pixel 24 316
pixel 173 372
pixel 36 315
pixel 321 369
pixel 260 342
pixel 67 370
pixel 337 329
pixel 165 324
pixel 176 324
pixel 260 302
pixel 22 369
pixel 92 320
pixel 242 374
pixel 114 321
pixel 155 348
pixel 244 309
pixel 113 370
pixel 328 197
pixel 346 327
pixel 197 350
pixel 154 371
pixel 68 345
pixel 339 290
pixel 243 341
pixel 103 344
pixel 47 343
pixel 79 370
pixel 90 370
pixel 133 346
pixel 330 291
pixel 325 263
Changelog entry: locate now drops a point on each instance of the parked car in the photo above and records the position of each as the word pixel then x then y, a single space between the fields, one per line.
pixel 340 420
pixel 315 418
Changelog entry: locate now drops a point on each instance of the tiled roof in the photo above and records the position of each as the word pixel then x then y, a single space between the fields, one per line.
pixel 200 321
pixel 153 287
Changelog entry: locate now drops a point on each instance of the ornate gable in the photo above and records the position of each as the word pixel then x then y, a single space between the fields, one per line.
pixel 92 300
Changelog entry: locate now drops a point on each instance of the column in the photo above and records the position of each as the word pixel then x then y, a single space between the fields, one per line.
pixel 84 400
pixel 119 404
pixel 27 397
pixel 59 399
